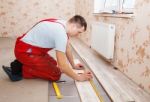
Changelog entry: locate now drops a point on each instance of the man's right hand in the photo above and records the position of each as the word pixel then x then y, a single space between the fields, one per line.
pixel 87 75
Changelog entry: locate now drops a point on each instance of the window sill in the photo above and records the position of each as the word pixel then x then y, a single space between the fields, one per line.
pixel 114 15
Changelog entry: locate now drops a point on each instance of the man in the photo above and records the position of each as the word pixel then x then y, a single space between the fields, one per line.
pixel 32 48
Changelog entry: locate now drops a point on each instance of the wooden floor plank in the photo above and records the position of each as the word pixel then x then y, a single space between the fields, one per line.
pixel 86 91
pixel 117 85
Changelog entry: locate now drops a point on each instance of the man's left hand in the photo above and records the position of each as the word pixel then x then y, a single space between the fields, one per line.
pixel 79 66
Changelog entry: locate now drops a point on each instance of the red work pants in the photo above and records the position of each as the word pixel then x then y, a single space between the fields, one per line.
pixel 37 63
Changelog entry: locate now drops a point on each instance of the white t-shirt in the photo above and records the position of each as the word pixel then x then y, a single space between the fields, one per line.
pixel 48 35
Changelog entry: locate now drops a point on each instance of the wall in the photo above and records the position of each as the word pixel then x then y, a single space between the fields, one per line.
pixel 132 45
pixel 17 16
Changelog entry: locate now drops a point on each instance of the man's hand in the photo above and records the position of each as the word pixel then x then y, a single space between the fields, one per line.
pixel 87 75
pixel 64 67
pixel 78 65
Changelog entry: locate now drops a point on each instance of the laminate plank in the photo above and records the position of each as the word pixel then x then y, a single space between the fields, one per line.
pixel 86 91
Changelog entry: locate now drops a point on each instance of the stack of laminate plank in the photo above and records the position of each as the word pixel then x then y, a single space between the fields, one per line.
pixel 116 84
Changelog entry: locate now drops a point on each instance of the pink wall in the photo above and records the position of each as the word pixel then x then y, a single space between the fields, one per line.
pixel 17 16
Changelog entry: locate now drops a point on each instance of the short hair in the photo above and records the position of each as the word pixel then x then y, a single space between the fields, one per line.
pixel 80 20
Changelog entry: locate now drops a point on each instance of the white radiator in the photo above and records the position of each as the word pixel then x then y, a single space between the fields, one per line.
pixel 103 37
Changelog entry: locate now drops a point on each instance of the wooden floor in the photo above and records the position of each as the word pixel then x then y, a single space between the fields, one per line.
pixel 116 84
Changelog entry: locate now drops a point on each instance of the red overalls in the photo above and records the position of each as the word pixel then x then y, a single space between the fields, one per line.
pixel 37 63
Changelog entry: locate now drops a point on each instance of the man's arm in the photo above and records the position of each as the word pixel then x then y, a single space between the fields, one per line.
pixel 69 55
pixel 70 58
pixel 62 64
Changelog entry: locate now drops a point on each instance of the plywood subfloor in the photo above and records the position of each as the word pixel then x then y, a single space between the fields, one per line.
pixel 67 89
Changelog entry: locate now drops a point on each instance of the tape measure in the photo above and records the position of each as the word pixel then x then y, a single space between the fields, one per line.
pixel 96 91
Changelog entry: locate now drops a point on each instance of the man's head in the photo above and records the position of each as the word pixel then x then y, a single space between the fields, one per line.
pixel 76 25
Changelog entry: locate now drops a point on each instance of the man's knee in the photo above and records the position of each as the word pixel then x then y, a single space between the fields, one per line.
pixel 56 77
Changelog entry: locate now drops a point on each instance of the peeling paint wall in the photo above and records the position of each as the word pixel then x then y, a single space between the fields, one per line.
pixel 132 45
pixel 17 16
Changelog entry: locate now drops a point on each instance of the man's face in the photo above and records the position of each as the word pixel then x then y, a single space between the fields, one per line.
pixel 75 29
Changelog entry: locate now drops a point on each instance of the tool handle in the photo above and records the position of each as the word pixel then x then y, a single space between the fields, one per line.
pixel 57 91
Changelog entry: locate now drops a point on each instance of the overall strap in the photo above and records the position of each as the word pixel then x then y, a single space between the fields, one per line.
pixel 49 20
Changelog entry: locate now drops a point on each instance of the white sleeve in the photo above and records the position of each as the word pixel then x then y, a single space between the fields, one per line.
pixel 61 40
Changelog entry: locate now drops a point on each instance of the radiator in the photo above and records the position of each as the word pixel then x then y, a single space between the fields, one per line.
pixel 102 39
